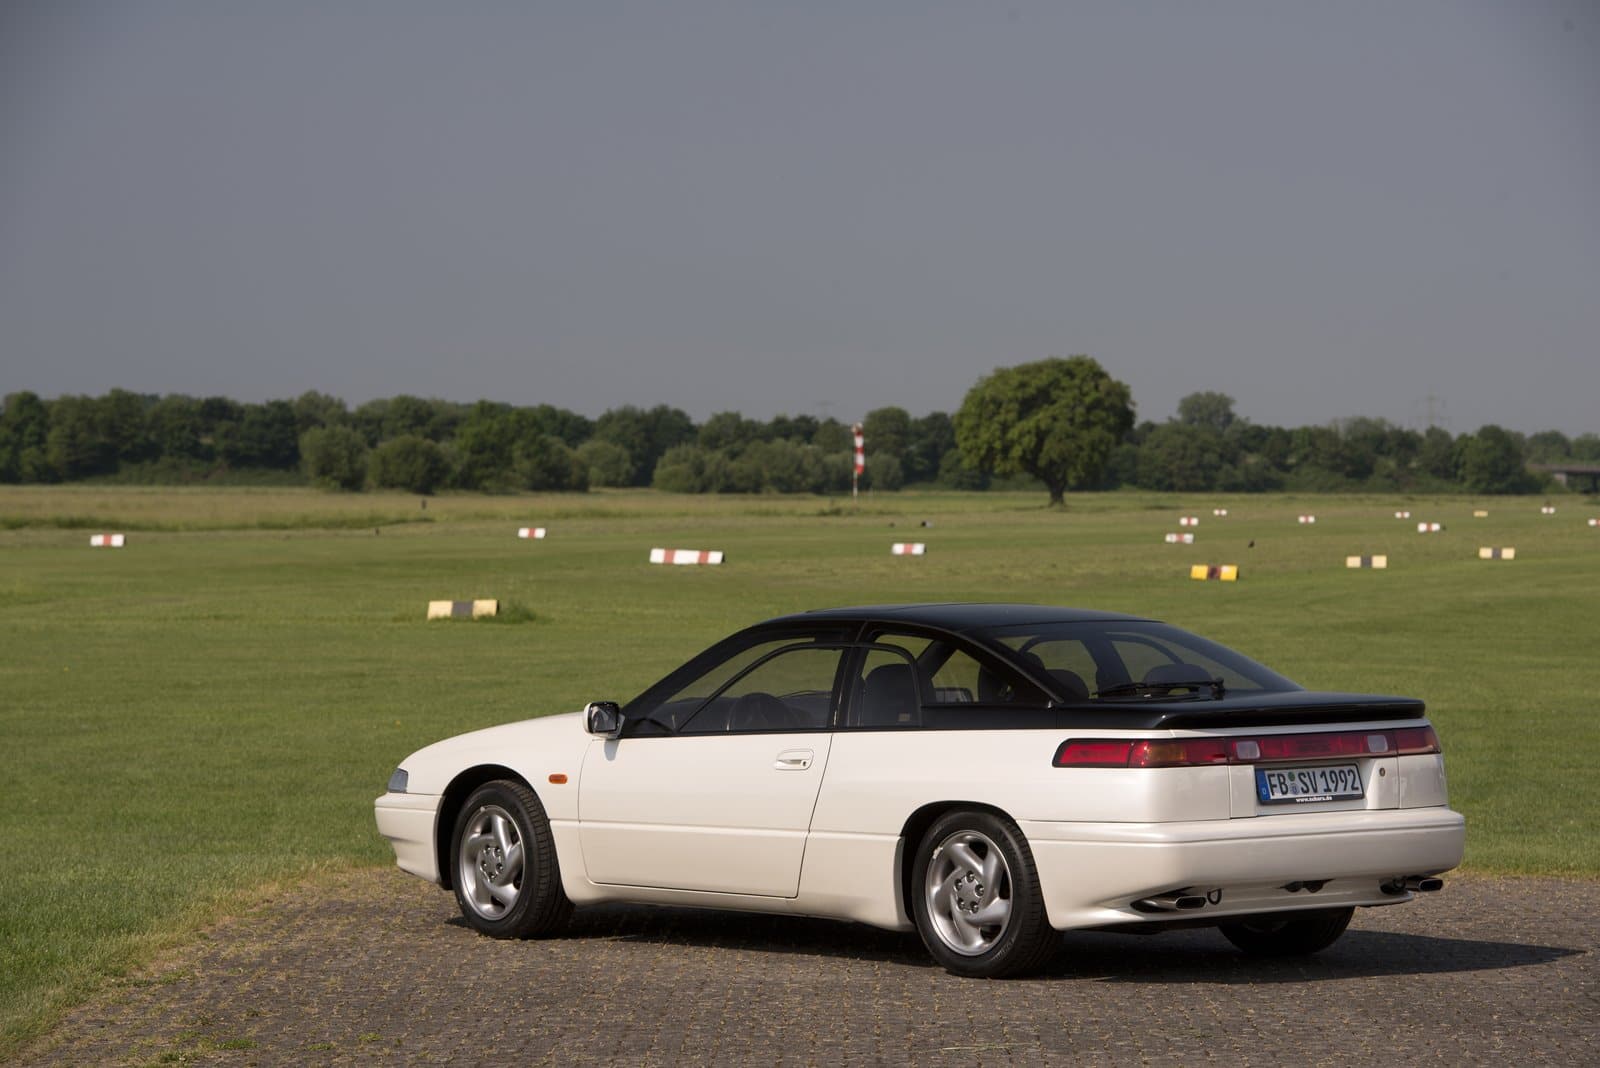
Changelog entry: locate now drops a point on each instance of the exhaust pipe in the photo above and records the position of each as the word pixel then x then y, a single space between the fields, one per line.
pixel 1186 900
pixel 1413 884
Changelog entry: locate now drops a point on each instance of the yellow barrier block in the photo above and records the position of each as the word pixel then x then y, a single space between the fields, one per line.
pixel 1222 572
pixel 1497 554
pixel 1380 563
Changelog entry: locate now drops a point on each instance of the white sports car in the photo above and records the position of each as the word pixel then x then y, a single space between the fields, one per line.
pixel 988 774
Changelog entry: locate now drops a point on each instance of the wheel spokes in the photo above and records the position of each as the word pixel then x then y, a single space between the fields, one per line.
pixel 995 913
pixel 968 893
pixel 490 861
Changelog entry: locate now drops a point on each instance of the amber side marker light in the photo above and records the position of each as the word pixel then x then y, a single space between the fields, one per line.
pixel 559 779
pixel 1206 752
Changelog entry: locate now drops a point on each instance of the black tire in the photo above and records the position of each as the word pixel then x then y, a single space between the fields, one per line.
pixel 966 864
pixel 1287 934
pixel 505 874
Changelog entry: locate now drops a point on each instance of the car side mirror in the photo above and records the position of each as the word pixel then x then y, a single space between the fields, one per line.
pixel 603 718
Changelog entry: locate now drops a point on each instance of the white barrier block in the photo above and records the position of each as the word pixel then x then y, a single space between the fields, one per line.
pixel 530 532
pixel 1219 511
pixel 1180 539
pixel 106 541
pixel 1189 521
pixel 908 548
pixel 462 609
pixel 1429 528
pixel 1306 518
pixel 685 556
pixel 1402 515
pixel 1548 509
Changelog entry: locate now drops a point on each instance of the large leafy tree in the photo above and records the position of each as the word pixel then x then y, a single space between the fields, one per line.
pixel 1490 461
pixel 647 435
pixel 1057 420
pixel 1208 409
pixel 1181 456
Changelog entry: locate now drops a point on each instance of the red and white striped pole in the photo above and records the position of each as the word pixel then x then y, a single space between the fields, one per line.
pixel 861 461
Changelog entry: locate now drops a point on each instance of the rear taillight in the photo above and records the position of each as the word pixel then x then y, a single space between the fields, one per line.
pixel 1089 754
pixel 1411 740
pixel 1205 752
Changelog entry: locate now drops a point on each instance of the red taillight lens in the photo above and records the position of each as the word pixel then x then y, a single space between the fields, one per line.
pixel 1092 754
pixel 1163 753
pixel 1204 752
pixel 1412 740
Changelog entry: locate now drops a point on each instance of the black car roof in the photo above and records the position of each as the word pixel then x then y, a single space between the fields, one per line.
pixel 959 617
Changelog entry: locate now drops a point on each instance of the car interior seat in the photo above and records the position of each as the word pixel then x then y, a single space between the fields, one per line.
pixel 889 696
pixel 1071 683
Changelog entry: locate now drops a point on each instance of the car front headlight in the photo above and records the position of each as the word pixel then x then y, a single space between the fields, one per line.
pixel 397 781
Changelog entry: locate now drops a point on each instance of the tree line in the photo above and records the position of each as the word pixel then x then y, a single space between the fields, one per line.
pixel 1062 423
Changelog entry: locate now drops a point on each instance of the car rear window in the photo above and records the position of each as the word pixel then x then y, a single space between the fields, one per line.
pixel 1091 657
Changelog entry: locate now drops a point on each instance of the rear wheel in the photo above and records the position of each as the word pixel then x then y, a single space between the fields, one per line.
pixel 977 901
pixel 1290 934
pixel 507 881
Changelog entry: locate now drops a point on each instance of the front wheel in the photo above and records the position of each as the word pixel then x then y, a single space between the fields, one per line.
pixel 1288 934
pixel 507 881
pixel 977 901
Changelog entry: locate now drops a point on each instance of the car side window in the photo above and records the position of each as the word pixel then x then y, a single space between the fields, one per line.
pixel 952 676
pixel 790 690
pixel 674 710
pixel 887 692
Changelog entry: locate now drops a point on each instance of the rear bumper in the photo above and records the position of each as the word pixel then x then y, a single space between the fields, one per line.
pixel 1091 873
pixel 407 821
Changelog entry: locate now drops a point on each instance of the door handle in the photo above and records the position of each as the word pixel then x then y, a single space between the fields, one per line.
pixel 794 760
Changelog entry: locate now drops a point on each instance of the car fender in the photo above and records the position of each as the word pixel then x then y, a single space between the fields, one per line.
pixel 546 753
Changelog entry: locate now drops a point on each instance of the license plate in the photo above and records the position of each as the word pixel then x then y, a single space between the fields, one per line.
pixel 1303 786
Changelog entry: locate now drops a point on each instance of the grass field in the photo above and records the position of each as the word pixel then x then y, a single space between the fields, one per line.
pixel 212 709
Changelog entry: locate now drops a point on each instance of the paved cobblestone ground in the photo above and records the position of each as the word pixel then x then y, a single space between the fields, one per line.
pixel 375 967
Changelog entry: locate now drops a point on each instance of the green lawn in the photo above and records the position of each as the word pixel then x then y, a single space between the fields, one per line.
pixel 214 707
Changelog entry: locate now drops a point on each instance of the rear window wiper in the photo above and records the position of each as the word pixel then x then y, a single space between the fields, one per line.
pixel 1214 688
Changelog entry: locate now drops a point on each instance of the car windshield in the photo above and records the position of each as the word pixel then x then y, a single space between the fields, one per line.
pixel 1133 660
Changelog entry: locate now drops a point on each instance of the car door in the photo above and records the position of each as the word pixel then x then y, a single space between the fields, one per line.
pixel 717 794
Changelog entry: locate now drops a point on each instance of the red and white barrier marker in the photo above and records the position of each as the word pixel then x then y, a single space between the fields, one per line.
pixel 1180 539
pixel 1429 528
pixel 1219 511
pixel 1306 518
pixel 685 556
pixel 1594 522
pixel 106 541
pixel 909 548
pixel 530 532
pixel 1189 521
pixel 1402 515
pixel 1548 509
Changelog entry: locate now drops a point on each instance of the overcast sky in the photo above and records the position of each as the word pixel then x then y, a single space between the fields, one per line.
pixel 1386 208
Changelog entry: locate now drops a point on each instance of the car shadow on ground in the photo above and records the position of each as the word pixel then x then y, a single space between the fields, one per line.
pixel 1180 956
pixel 1204 956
